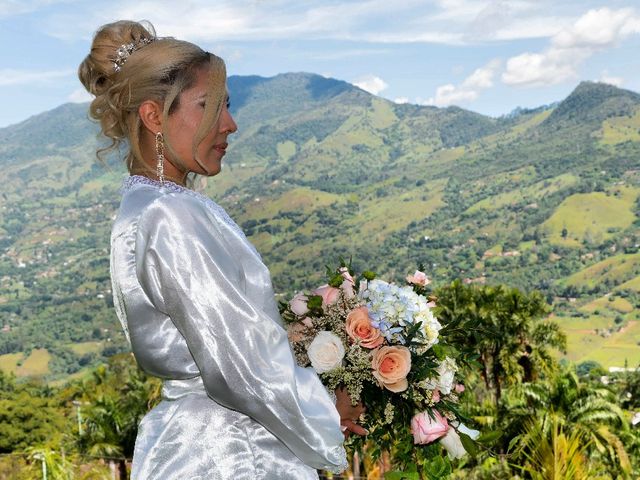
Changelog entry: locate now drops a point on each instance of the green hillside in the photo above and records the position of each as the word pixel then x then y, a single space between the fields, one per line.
pixel 544 199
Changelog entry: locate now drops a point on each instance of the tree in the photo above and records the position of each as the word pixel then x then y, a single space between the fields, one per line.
pixel 563 401
pixel 118 396
pixel 28 416
pixel 513 337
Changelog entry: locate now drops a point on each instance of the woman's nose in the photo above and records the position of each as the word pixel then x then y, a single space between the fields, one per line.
pixel 227 124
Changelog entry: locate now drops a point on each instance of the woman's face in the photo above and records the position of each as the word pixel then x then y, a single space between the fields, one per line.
pixel 183 124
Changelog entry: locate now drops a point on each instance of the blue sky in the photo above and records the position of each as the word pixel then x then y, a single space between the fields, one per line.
pixel 489 56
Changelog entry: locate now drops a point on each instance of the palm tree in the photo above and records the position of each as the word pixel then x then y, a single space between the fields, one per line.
pixel 589 411
pixel 554 452
pixel 512 333
pixel 118 395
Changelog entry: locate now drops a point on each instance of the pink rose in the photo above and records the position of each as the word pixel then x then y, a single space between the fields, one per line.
pixel 307 322
pixel 435 397
pixel 347 289
pixel 359 328
pixel 418 278
pixel 329 294
pixel 344 271
pixel 459 388
pixel 427 428
pixel 391 366
pixel 298 304
pixel 348 284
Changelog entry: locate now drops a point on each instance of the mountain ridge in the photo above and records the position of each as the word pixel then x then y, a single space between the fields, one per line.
pixel 321 170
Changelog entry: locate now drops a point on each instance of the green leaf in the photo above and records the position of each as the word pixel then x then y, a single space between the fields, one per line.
pixel 369 275
pixel 336 280
pixel 490 437
pixel 397 475
pixel 438 468
pixel 314 301
pixel 468 444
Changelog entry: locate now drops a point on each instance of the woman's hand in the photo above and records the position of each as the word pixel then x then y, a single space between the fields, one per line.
pixel 349 413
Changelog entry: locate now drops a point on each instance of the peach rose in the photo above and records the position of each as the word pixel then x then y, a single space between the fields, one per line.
pixel 329 294
pixel 427 429
pixel 360 330
pixel 391 366
pixel 419 278
pixel 296 332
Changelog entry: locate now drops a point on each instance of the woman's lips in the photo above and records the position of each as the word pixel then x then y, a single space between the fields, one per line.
pixel 221 147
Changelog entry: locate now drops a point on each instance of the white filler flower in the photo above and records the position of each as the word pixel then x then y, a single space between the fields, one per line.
pixel 325 352
pixel 446 373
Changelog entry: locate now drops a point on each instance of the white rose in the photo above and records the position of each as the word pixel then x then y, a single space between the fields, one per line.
pixel 325 352
pixel 452 443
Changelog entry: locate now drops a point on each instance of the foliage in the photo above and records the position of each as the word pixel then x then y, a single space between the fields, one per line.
pixel 554 452
pixel 28 415
pixel 508 331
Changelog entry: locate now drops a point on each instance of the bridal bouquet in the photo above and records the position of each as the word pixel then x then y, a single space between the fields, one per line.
pixel 382 343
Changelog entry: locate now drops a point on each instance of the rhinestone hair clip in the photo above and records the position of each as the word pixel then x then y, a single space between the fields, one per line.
pixel 125 51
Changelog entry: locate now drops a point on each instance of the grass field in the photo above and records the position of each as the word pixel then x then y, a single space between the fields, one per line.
pixel 300 200
pixel 379 218
pixel 85 347
pixel 633 284
pixel 592 217
pixel 526 194
pixel 37 363
pixel 619 268
pixel 618 130
pixel 613 304
pixel 9 362
pixel 613 351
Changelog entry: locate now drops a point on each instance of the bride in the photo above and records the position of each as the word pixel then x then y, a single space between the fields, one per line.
pixel 191 292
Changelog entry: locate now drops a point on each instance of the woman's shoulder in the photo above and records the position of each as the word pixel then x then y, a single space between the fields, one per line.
pixel 143 198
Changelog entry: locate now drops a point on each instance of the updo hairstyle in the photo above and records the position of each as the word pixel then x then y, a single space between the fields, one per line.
pixel 157 71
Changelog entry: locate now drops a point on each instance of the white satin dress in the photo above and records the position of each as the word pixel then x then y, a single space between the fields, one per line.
pixel 198 306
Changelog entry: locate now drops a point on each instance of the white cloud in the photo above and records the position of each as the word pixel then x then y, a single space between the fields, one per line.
pixel 10 8
pixel 401 100
pixel 348 53
pixel 469 89
pixel 9 76
pixel 611 80
pixel 599 28
pixel 450 94
pixel 453 22
pixel 594 31
pixel 371 84
pixel 80 95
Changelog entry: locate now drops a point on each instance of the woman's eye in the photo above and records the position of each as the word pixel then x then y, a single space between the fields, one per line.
pixel 202 104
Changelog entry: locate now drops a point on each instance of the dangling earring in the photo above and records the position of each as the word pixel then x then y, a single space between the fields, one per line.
pixel 160 157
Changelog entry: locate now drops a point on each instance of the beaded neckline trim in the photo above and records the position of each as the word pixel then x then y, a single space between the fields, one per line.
pixel 169 186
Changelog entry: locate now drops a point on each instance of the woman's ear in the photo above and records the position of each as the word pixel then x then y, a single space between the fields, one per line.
pixel 150 113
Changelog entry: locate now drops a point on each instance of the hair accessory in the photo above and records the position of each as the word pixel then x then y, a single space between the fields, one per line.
pixel 125 51
pixel 160 157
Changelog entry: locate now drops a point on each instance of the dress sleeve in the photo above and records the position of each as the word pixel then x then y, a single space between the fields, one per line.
pixel 242 353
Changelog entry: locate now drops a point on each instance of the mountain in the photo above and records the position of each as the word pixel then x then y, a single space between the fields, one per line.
pixel 593 102
pixel 546 198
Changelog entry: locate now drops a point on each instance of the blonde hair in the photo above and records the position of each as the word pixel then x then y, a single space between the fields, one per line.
pixel 158 71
